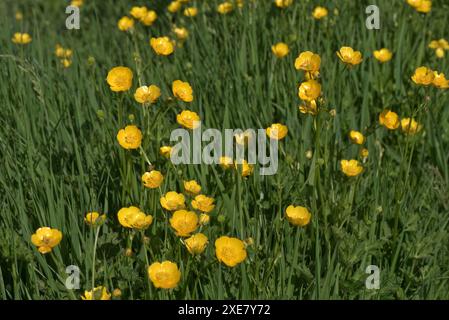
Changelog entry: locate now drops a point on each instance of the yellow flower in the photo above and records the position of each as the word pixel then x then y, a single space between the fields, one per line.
pixel 152 179
pixel 415 3
pixel 182 90
pixel 94 219
pixel 120 79
pixel 364 153
pixel 192 187
pixel 196 243
pixel 165 151
pixel 383 55
pixel 298 216
pixel 283 3
pixel 243 138
pixel 425 6
pixel 309 107
pixel 277 131
pixel 77 3
pixel 146 94
pixel 440 81
pixel 225 7
pixel 19 16
pixel 439 46
pixel 21 38
pixel 173 201
pixel 46 239
pixel 356 137
pixel 117 293
pixel 162 46
pixel 351 168
pixel 181 33
pixel 130 137
pixel 389 119
pixel 280 49
pixel 204 219
pixel 133 218
pixel 125 23
pixel 138 12
pixel 230 251
pixel 98 293
pixel 423 76
pixel 319 13
pixel 203 203
pixel 184 222
pixel 308 61
pixel 188 119
pixel 66 63
pixel 410 126
pixel 309 90
pixel 190 12
pixel 226 162
pixel 165 275
pixel 247 169
pixel 61 52
pixel 350 57
pixel 149 18
pixel 174 6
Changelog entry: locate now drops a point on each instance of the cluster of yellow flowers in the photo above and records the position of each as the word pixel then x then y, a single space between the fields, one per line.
pixel 21 38
pixel 64 54
pixel 440 46
pixel 425 77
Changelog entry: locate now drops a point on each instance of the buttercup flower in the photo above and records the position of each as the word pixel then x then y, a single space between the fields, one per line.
pixel 190 12
pixel 203 203
pixel 364 153
pixel 146 94
pixel 181 33
pixel 383 55
pixel 21 38
pixel 439 46
pixel 247 169
pixel 162 46
pixel 66 63
pixel 45 239
pixel 94 219
pixel 149 18
pixel 165 275
pixel 184 222
pixel 350 57
pixel 125 23
pixel 319 13
pixel 298 216
pixel 351 168
pixel 138 12
pixel 423 76
pixel 18 15
pixel 173 201
pixel 277 131
pixel 204 219
pixel 440 81
pixel 226 162
pixel 130 137
pixel 133 218
pixel 410 126
pixel 425 7
pixel 243 138
pixel 98 293
pixel 188 119
pixel 308 61
pixel 309 107
pixel 152 179
pixel 77 3
pixel 196 243
pixel 174 6
pixel 389 119
pixel 62 52
pixel 182 90
pixel 225 7
pixel 280 49
pixel 230 251
pixel 283 3
pixel 120 79
pixel 309 90
pixel 165 151
pixel 192 187
pixel 356 137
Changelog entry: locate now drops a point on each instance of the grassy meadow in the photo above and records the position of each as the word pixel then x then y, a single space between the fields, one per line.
pixel 60 157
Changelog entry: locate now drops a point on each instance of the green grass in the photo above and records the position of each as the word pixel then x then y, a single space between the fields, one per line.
pixel 60 159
